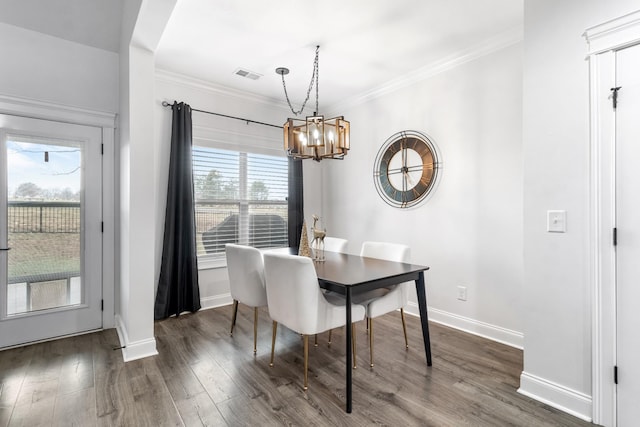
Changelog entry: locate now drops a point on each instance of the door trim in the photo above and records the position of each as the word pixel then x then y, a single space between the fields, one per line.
pixel 35 109
pixel 603 41
pixel 107 122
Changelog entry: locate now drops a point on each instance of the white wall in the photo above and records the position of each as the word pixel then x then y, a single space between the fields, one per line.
pixel 44 68
pixel 143 23
pixel 556 313
pixel 470 231
pixel 214 283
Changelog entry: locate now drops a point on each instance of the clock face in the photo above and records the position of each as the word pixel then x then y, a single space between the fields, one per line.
pixel 406 169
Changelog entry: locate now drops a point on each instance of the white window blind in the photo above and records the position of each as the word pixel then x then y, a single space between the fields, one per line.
pixel 239 198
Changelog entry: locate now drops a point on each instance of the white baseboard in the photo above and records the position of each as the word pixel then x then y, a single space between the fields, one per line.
pixel 134 350
pixel 145 348
pixel 215 301
pixel 560 397
pixel 472 326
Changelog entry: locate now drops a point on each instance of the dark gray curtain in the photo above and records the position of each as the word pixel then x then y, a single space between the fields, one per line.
pixel 295 202
pixel 178 289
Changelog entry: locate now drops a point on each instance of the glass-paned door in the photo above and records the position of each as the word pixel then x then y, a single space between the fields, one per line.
pixel 50 236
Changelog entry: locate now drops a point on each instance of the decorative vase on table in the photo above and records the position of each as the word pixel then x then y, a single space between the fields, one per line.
pixel 304 249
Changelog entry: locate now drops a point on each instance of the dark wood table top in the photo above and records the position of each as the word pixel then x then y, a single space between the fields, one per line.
pixel 340 270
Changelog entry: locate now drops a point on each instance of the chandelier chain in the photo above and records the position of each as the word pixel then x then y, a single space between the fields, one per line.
pixel 314 79
pixel 316 65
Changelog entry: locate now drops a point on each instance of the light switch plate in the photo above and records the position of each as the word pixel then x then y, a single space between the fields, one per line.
pixel 557 221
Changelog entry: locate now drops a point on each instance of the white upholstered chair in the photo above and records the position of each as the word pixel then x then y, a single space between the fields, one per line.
pixel 335 244
pixel 246 281
pixel 385 300
pixel 296 300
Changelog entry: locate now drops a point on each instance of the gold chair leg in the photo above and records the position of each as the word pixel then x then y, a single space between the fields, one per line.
pixel 371 342
pixel 329 342
pixel 353 343
pixel 273 340
pixel 315 342
pixel 255 330
pixel 306 361
pixel 235 314
pixel 404 328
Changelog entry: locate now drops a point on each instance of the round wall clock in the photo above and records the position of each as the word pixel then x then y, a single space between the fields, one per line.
pixel 406 169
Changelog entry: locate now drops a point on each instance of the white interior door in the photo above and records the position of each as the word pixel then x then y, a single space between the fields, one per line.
pixel 628 226
pixel 50 229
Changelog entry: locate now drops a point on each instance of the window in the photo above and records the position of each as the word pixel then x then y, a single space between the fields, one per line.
pixel 239 198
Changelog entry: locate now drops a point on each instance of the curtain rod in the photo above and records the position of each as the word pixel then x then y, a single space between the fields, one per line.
pixel 166 104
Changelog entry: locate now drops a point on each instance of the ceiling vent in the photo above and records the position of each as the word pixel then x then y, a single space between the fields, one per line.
pixel 248 74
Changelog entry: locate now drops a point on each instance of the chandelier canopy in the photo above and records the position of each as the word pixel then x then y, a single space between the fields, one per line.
pixel 314 137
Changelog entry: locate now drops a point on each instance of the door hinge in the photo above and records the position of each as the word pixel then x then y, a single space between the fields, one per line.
pixel 614 96
pixel 102 305
pixel 102 226
pixel 102 149
pixel 615 236
pixel 615 374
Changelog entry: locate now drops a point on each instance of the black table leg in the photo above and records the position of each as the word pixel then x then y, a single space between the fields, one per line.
pixel 349 355
pixel 422 306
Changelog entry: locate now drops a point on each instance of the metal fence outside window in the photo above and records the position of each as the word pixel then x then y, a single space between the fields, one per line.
pixel 43 217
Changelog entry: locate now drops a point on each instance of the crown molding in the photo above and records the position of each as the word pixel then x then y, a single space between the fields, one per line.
pixel 494 44
pixel 214 88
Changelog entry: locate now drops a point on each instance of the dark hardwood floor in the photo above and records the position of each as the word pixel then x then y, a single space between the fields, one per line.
pixel 202 376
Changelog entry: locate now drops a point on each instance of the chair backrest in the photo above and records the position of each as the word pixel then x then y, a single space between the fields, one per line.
pixel 246 275
pixel 335 244
pixel 294 296
pixel 388 251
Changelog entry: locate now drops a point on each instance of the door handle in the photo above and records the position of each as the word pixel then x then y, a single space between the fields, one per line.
pixel 5 249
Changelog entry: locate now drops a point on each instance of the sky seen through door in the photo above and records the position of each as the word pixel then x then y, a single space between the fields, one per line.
pixel 43 171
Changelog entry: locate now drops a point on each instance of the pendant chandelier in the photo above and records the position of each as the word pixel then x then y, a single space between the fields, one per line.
pixel 314 137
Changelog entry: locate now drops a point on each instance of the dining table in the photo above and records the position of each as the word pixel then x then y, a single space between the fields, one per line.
pixel 349 274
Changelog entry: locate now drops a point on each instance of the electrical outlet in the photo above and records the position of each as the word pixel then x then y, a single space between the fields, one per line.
pixel 462 293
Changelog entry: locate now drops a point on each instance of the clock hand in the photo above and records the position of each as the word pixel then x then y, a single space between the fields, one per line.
pixel 404 181
pixel 405 169
pixel 394 171
pixel 408 179
pixel 404 157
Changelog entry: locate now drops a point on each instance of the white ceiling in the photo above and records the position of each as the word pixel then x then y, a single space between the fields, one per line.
pixel 366 45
